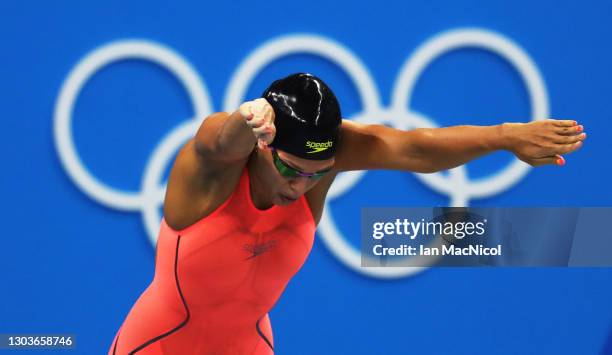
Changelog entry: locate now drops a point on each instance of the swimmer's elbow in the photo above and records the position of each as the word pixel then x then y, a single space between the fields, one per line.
pixel 414 152
pixel 207 137
pixel 218 139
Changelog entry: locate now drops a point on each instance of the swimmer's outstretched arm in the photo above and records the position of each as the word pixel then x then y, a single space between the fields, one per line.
pixel 428 150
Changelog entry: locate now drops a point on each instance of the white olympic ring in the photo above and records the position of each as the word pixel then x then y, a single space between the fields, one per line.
pixel 457 185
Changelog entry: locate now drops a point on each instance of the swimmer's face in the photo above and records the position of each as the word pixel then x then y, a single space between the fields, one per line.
pixel 290 188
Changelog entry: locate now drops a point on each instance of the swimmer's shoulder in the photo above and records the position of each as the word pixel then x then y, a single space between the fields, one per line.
pixel 354 144
pixel 197 185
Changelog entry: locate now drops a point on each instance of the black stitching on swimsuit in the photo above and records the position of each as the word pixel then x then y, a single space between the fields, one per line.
pixel 156 247
pixel 261 334
pixel 178 286
pixel 116 341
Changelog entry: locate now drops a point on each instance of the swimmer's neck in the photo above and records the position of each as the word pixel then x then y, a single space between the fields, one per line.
pixel 261 198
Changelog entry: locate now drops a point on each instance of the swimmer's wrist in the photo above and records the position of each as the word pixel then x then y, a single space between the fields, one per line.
pixel 503 136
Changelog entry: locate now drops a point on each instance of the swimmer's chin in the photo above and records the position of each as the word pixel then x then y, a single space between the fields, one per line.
pixel 282 200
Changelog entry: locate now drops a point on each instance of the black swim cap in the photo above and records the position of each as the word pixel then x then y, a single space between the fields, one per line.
pixel 307 116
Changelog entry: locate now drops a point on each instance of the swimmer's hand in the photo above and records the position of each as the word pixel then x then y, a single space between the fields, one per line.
pixel 543 142
pixel 259 116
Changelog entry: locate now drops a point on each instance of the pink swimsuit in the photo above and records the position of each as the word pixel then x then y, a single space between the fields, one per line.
pixel 216 280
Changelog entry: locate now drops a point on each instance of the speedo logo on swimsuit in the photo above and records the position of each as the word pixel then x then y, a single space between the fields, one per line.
pixel 258 249
pixel 318 147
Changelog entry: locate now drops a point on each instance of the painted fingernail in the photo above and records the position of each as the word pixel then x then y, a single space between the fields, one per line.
pixel 579 128
pixel 561 161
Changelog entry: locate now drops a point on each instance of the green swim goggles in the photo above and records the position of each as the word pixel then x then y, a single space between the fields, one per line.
pixel 289 172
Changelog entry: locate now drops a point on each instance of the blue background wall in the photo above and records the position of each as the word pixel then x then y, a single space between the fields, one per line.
pixel 70 264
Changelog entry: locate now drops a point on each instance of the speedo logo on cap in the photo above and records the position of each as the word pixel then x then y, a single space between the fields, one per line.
pixel 318 147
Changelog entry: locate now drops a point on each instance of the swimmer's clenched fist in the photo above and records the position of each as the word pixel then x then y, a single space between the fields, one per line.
pixel 259 116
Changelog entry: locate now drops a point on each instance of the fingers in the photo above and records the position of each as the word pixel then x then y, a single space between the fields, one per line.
pixel 263 131
pixel 551 139
pixel 245 111
pixel 569 144
pixel 560 149
pixel 259 116
pixel 257 121
pixel 559 160
pixel 553 155
pixel 564 123
pixel 559 139
pixel 569 131
pixel 260 106
pixel 262 144
pixel 547 161
pixel 569 148
pixel 269 137
pixel 552 160
pixel 257 113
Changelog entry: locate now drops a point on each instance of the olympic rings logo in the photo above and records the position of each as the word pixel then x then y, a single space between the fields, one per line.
pixel 147 201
